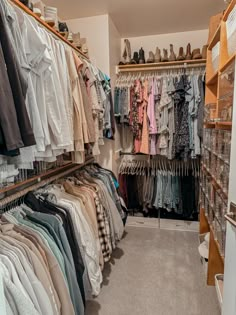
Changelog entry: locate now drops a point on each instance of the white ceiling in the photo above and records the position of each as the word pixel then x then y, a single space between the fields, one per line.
pixel 144 17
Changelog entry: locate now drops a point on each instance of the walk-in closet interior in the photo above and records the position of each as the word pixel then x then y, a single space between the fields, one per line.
pixel 117 150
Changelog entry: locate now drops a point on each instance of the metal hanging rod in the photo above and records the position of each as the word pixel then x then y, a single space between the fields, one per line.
pixel 42 183
pixel 185 64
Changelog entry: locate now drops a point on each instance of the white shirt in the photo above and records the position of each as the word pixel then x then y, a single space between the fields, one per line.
pixel 86 236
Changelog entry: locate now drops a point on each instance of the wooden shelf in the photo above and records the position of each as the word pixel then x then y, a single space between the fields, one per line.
pixel 214 182
pixel 35 178
pixel 225 125
pixel 51 29
pixel 228 10
pixel 215 38
pixel 213 79
pixel 227 63
pixel 210 125
pixel 156 66
pixel 231 218
pixel 204 224
pixel 215 259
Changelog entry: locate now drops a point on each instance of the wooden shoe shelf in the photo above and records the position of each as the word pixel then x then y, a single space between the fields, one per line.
pixel 217 128
pixel 161 65
pixel 48 27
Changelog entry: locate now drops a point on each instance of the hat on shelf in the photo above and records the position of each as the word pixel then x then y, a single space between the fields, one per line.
pixel 50 15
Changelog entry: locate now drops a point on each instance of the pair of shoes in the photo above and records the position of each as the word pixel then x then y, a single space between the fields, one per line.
pixel 72 37
pixel 28 4
pixel 135 59
pixel 138 57
pixel 195 54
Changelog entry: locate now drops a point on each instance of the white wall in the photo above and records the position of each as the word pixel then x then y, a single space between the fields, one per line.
pixel 95 29
pixel 196 38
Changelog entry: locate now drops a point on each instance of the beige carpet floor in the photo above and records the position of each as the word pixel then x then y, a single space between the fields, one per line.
pixel 155 272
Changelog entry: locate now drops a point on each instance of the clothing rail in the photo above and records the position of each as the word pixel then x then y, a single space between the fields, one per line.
pixel 184 64
pixel 48 27
pixel 42 183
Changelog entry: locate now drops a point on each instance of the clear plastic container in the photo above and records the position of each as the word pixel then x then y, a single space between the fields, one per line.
pixel 227 145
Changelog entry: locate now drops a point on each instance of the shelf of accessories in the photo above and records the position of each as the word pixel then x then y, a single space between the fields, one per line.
pixel 156 66
pixel 51 29
pixel 215 183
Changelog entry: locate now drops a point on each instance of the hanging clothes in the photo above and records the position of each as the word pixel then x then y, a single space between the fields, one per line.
pixel 164 112
pixel 57 101
pixel 54 245
pixel 160 184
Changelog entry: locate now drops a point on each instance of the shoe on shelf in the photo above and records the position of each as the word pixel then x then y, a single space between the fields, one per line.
pixel 196 54
pixel 158 55
pixel 135 59
pixel 141 56
pixel 165 55
pixel 84 47
pixel 70 38
pixel 63 27
pixel 64 34
pixel 172 53
pixel 28 4
pixel 76 40
pixel 37 12
pixel 204 52
pixel 38 4
pixel 151 58
pixel 127 52
pixel 188 52
pixel 181 54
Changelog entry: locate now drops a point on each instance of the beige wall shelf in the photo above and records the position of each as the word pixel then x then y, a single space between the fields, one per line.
pixel 160 65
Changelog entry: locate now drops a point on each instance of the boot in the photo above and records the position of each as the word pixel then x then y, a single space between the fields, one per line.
pixel 172 54
pixel 158 55
pixel 204 52
pixel 165 55
pixel 196 54
pixel 151 58
pixel 181 54
pixel 84 46
pixel 135 58
pixel 127 52
pixel 141 56
pixel 188 52
pixel 76 40
pixel 70 38
pixel 63 27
